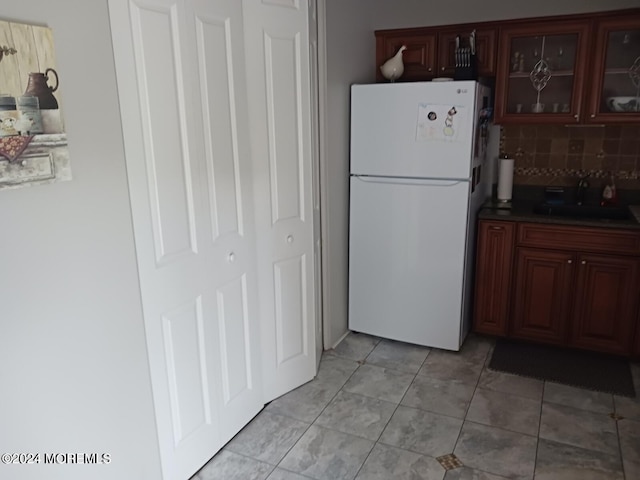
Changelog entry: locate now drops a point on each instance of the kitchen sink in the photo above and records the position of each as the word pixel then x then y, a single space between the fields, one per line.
pixel 583 211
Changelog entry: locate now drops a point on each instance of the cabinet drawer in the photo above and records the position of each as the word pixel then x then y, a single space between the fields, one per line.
pixel 578 238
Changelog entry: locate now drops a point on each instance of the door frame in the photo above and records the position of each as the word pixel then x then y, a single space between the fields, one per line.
pixel 320 167
pixel 316 65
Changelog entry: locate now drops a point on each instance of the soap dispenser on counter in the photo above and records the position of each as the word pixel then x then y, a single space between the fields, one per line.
pixel 609 193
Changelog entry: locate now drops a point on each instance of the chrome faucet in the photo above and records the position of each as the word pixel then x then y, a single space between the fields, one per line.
pixel 583 184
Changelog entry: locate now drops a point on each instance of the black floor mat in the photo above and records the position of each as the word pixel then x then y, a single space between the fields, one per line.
pixel 593 371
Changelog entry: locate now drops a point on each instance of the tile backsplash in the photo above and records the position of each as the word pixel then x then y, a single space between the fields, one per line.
pixel 560 155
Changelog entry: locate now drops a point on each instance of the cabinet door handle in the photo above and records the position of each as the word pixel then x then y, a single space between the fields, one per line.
pixel 569 261
pixel 576 117
pixel 442 68
pixel 583 262
pixel 495 228
pixel 429 69
pixel 593 115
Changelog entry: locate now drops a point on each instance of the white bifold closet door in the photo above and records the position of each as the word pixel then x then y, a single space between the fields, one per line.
pixel 279 87
pixel 221 210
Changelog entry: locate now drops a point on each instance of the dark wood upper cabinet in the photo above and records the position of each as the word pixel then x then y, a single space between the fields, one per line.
pixel 541 72
pixel 615 92
pixel 485 50
pixel 570 69
pixel 431 51
pixel 419 58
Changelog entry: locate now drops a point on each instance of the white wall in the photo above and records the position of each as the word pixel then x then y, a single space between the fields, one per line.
pixel 350 26
pixel 73 364
pixel 350 55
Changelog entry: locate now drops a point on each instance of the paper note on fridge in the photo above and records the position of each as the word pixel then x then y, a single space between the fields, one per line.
pixel 440 122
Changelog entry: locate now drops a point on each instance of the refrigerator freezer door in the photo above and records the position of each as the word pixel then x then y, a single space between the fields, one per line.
pixel 407 249
pixel 413 129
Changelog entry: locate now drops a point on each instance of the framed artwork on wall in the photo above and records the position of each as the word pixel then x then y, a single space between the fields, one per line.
pixel 33 142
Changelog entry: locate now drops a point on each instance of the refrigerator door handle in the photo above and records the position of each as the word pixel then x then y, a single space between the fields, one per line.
pixel 445 182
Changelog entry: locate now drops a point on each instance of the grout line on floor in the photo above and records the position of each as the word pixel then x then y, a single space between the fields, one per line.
pixel 624 472
pixel 319 414
pixel 535 461
pixel 475 389
pixel 377 441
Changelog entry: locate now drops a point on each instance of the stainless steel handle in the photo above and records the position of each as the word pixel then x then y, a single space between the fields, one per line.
pixel 583 262
pixel 429 69
pixel 576 116
pixel 442 69
pixel 593 115
pixel 289 238
pixel 496 228
pixel 569 261
pixel 231 257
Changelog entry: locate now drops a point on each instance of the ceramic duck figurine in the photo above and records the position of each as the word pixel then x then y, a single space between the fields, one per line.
pixel 393 68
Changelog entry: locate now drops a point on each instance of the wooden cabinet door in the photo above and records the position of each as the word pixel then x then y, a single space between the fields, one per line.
pixel 615 92
pixel 605 304
pixel 493 277
pixel 541 72
pixel 636 345
pixel 542 295
pixel 419 58
pixel 485 50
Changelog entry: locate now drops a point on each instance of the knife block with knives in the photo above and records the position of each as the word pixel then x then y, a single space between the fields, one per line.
pixel 466 62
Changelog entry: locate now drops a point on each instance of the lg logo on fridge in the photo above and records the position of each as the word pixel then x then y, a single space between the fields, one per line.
pixel 461 90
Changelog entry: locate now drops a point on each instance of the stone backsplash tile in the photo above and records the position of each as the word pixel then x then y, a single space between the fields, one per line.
pixel 560 145
pixel 559 155
pixel 576 145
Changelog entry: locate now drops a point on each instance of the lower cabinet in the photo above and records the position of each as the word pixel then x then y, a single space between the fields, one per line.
pixel 572 286
pixel 605 303
pixel 493 277
pixel 541 303
pixel 636 348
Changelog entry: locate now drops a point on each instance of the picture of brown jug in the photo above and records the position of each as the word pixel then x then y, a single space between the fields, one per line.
pixel 38 87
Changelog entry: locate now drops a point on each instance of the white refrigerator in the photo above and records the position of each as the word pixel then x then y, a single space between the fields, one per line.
pixel 418 178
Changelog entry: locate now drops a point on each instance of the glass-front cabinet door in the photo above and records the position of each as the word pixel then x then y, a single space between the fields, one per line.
pixel 615 95
pixel 541 73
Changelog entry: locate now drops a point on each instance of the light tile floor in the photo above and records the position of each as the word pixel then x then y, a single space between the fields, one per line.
pixel 384 410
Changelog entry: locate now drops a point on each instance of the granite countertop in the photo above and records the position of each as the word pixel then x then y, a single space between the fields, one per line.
pixel 522 211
